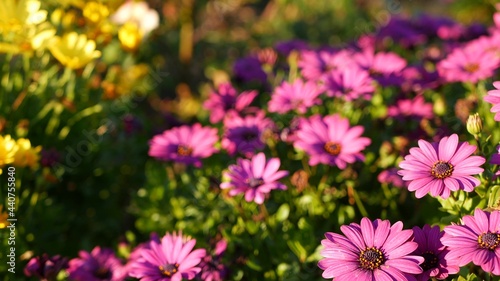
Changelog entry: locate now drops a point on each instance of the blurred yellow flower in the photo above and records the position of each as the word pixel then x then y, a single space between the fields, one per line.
pixel 3 218
pixel 95 12
pixel 8 148
pixel 26 156
pixel 23 26
pixel 130 36
pixel 139 13
pixel 74 50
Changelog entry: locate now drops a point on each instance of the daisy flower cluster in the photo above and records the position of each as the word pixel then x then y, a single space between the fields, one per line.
pixel 386 145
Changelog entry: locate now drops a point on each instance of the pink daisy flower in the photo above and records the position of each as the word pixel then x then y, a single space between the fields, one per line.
pixel 493 97
pixel 477 240
pixel 297 96
pixel 411 108
pixel 171 260
pixel 468 64
pixel 350 83
pixel 330 140
pixel 370 251
pixel 225 99
pixel 255 177
pixel 315 64
pixel 391 176
pixel 98 265
pixel 184 144
pixel 436 263
pixel 440 168
pixel 383 67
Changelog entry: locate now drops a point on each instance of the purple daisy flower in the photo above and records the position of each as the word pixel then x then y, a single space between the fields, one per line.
pixel 184 144
pixel 255 177
pixel 245 134
pixel 370 251
pixel 330 140
pixel 415 108
pixel 297 96
pixel 350 83
pixel 249 69
pixel 440 168
pixel 98 265
pixel 493 97
pixel 44 267
pixel 226 98
pixel 468 64
pixel 212 268
pixel 477 240
pixel 436 263
pixel 171 260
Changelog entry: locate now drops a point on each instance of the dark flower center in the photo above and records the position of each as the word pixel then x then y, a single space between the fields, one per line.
pixel 371 258
pixel 102 273
pixel 249 136
pixel 430 261
pixel 169 269
pixel 333 148
pixel 489 240
pixel 471 67
pixel 441 169
pixel 184 150
pixel 253 183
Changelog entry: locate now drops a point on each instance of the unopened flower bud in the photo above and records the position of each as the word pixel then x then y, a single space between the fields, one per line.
pixel 474 124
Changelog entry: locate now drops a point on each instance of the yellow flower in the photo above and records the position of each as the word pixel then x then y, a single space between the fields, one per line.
pixel 3 218
pixel 23 26
pixel 95 12
pixel 26 156
pixel 73 50
pixel 130 36
pixel 8 148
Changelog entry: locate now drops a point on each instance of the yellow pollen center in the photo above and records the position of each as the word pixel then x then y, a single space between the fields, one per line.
pixel 169 269
pixel 489 240
pixel 441 170
pixel 371 258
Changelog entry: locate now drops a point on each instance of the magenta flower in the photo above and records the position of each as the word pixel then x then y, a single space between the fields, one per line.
pixel 171 260
pixel 212 268
pixel 390 176
pixel 184 144
pixel 477 240
pixel 415 108
pixel 226 98
pixel 468 64
pixel 440 168
pixel 245 134
pixel 330 140
pixel 315 64
pixel 493 97
pixel 436 263
pixel 350 83
pixel 45 268
pixel 297 96
pixel 383 67
pixel 255 177
pixel 372 251
pixel 98 265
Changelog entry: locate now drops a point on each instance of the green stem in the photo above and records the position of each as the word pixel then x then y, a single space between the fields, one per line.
pixel 360 205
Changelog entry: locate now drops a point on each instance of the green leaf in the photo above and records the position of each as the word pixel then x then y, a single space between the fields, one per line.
pixel 297 249
pixel 494 198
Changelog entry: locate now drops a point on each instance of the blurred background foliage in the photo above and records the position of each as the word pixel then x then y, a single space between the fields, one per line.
pixel 105 190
